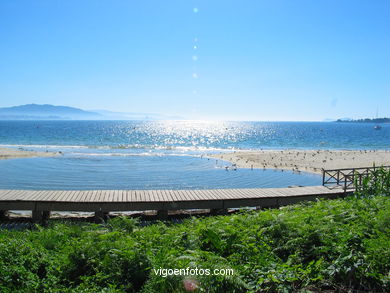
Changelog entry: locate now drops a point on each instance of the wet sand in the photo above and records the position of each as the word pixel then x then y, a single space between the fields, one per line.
pixel 306 160
pixel 8 153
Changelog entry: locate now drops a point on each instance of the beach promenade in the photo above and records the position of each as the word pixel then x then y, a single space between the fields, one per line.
pixel 42 202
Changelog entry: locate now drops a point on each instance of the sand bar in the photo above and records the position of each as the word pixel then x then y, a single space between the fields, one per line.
pixel 8 153
pixel 306 160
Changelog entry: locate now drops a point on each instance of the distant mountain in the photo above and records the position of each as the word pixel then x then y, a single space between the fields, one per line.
pixel 344 120
pixel 366 120
pixel 50 112
pixel 110 115
pixel 46 112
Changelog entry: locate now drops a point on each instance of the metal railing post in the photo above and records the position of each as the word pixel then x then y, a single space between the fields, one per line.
pixel 323 177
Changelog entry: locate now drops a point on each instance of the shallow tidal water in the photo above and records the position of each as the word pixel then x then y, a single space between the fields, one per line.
pixel 140 172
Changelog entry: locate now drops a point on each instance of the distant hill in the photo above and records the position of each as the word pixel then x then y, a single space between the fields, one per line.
pixel 110 115
pixel 50 112
pixel 366 120
pixel 46 112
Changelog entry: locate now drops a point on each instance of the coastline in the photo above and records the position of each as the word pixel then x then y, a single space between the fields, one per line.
pixel 8 153
pixel 305 160
pixel 288 159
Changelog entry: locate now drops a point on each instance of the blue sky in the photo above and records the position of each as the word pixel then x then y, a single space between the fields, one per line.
pixel 254 60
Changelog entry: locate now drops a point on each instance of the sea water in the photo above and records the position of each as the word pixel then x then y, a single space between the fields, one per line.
pixel 166 154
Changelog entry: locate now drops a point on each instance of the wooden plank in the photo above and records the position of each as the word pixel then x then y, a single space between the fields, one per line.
pixel 126 194
pixel 145 196
pixel 67 194
pixel 172 195
pixel 228 193
pixel 231 194
pixel 79 196
pixel 177 196
pixel 149 195
pixel 102 195
pixel 5 193
pixel 133 195
pixel 258 193
pixel 90 197
pixel 164 196
pixel 188 196
pixel 90 200
pixel 194 195
pixel 30 195
pixel 283 192
pixel 138 195
pixel 210 195
pixel 86 196
pixel 309 190
pixel 106 195
pixel 154 195
pixel 160 196
pixel 244 193
pixel 181 194
pixel 47 195
pixel 95 196
pixel 201 194
pixel 119 196
pixel 109 194
pixel 221 194
pixel 236 194
pixel 116 196
pixel 10 195
pixel 71 195
pixel 214 194
pixel 270 193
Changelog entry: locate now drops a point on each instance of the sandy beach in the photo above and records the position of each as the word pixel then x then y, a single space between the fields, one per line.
pixel 6 153
pixel 306 160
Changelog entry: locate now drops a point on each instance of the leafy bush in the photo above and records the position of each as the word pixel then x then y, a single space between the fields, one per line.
pixel 325 245
pixel 375 183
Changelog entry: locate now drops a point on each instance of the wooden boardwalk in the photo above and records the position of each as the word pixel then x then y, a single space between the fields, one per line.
pixel 104 201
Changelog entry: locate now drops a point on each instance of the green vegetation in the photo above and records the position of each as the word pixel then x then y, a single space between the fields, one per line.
pixel 335 245
pixel 365 120
pixel 377 182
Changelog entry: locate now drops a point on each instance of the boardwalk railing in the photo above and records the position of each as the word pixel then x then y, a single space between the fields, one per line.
pixel 346 177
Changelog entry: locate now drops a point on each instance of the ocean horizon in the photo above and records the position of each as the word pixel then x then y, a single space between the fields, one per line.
pixel 192 135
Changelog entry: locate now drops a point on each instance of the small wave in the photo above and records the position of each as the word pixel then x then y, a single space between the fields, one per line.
pixel 145 154
pixel 171 148
pixel 119 147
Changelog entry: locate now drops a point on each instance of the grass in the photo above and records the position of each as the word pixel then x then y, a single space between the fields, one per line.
pixel 328 245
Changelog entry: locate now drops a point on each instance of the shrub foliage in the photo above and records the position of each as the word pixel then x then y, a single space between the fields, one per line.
pixel 336 245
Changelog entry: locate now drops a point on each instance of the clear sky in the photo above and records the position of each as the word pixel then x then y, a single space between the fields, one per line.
pixel 209 59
